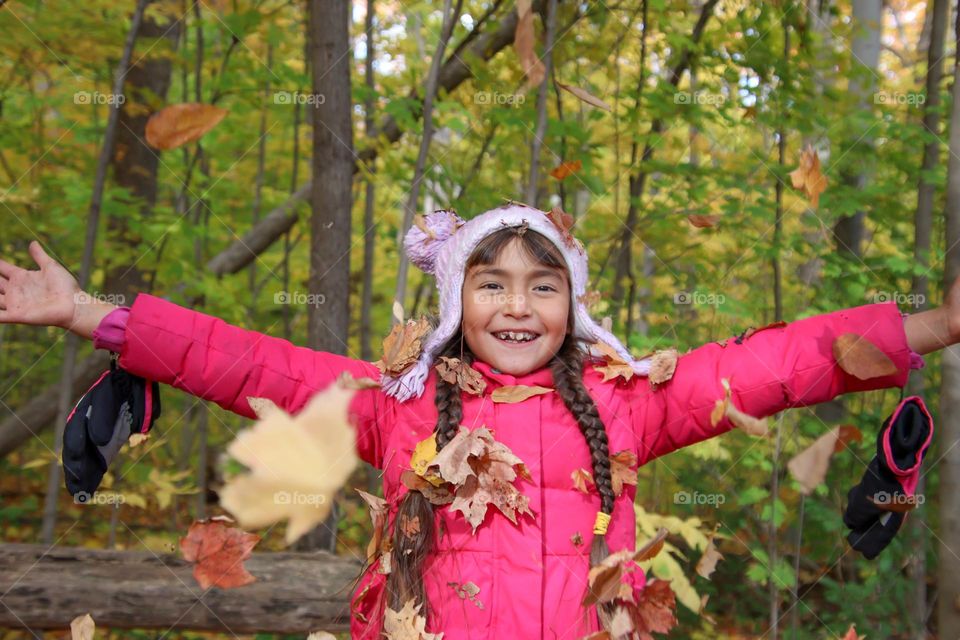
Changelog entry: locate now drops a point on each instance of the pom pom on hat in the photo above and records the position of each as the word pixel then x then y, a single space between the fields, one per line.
pixel 427 236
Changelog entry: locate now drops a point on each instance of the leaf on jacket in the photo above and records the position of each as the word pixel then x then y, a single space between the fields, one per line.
pixel 217 552
pixel 82 627
pixel 615 365
pixel 707 563
pixel 662 365
pixel 751 331
pixel 809 467
pixel 517 393
pixel 347 381
pixel 423 455
pixel 180 124
pixel 467 591
pixel 725 408
pixel 582 478
pixel 861 358
pixel 622 470
pixel 438 495
pixel 378 515
pixel 576 539
pixel 456 371
pixel 283 454
pixel 807 176
pixel 402 347
pixel 407 624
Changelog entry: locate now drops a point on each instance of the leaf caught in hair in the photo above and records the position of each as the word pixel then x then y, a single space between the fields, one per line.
pixel 861 358
pixel 663 364
pixel 180 124
pixel 615 365
pixel 456 371
pixel 517 393
pixel 407 624
pixel 582 478
pixel 409 526
pixel 565 169
pixel 378 515
pixel 622 470
pixel 564 223
pixel 703 221
pixel 725 408
pixel 438 495
pixel 523 41
pixel 809 467
pixel 402 347
pixel 807 176
pixel 585 96
pixel 217 552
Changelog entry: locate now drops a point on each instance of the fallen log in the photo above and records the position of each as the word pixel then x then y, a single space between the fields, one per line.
pixel 46 588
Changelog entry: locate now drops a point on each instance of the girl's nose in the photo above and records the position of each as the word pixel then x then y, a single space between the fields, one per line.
pixel 516 304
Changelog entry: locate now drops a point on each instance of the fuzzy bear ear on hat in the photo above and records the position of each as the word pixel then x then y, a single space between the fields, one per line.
pixel 427 236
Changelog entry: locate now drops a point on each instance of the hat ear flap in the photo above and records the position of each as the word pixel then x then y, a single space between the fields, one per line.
pixel 428 235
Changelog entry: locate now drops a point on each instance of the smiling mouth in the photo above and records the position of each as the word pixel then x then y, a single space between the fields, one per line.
pixel 516 338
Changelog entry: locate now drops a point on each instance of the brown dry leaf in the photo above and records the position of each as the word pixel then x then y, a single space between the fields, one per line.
pixel 861 358
pixel 456 371
pixel 603 580
pixel 576 539
pixel 347 381
pixel 615 365
pixel 702 611
pixel 523 42
pixel 261 406
pixel 622 470
pixel 565 169
pixel 598 635
pixel 420 221
pixel 582 478
pixel 321 635
pixel 563 222
pixel 621 624
pixel 773 325
pixel 440 495
pixel 585 96
pixel 809 467
pixel 282 454
pixel 654 610
pixel 848 434
pixel 378 515
pixel 179 124
pixel 517 393
pixel 136 439
pixel 402 347
pixel 703 221
pixel 708 561
pixel 663 364
pixel 652 547
pixel 218 551
pixel 744 422
pixel 467 591
pixel 82 627
pixel 407 624
pixel 807 176
pixel 409 526
pixel 589 299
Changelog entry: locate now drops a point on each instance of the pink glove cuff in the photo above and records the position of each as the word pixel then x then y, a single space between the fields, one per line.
pixel 111 331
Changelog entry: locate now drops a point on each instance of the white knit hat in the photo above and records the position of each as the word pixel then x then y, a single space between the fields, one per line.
pixel 445 255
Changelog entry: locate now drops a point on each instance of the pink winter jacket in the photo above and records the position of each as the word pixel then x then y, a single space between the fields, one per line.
pixel 531 575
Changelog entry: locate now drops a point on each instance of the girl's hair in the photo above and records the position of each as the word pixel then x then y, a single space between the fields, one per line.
pixel 405 580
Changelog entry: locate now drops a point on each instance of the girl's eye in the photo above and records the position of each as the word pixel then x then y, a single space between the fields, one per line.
pixel 490 284
pixel 547 287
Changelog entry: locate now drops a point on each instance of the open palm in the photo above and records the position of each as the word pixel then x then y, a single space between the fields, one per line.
pixel 42 297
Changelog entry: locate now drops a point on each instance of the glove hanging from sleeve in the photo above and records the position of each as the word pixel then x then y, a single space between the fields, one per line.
pixel 116 406
pixel 891 478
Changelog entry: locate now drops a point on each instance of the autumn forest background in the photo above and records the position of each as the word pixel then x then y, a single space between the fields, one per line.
pixel 727 164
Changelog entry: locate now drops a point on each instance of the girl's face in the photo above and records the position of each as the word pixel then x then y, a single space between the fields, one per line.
pixel 515 294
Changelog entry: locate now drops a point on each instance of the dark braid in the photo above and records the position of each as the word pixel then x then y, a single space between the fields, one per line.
pixel 405 580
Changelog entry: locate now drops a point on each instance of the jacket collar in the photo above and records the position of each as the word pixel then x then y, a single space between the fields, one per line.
pixel 542 377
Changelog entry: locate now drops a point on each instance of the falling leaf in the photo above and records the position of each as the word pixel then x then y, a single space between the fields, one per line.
pixel 179 124
pixel 407 624
pixel 402 347
pixel 654 610
pixel 564 223
pixel 621 624
pixel 456 371
pixel 809 467
pixel 136 439
pixel 347 381
pixel 565 169
pixel 848 434
pixel 82 627
pixel 283 454
pixel 861 358
pixel 662 366
pixel 725 407
pixel 702 611
pixel 852 634
pixel 585 96
pixel 615 365
pixel 218 551
pixel 708 561
pixel 523 42
pixel 703 221
pixel 622 470
pixel 398 312
pixel 378 515
pixel 321 635
pixel 261 406
pixel 517 393
pixel 807 176
pixel 581 478
pixel 652 547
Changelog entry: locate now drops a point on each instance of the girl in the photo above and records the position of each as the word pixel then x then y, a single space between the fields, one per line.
pixel 511 284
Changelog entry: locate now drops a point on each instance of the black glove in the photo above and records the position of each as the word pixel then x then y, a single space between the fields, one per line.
pixel 116 406
pixel 891 478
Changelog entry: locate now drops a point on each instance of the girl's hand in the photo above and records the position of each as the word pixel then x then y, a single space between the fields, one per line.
pixel 951 304
pixel 47 297
pixel 937 328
